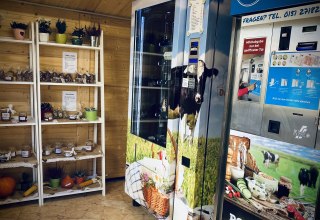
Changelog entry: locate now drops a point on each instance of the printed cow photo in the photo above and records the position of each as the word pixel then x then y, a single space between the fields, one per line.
pixel 187 104
pixel 269 157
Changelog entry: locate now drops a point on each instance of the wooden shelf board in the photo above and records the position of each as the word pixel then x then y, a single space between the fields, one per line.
pixel 81 155
pixel 18 197
pixel 15 122
pixel 16 83
pixel 68 45
pixel 18 161
pixel 51 193
pixel 13 40
pixel 71 84
pixel 70 122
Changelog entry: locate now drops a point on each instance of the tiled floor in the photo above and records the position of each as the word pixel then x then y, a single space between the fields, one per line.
pixel 116 205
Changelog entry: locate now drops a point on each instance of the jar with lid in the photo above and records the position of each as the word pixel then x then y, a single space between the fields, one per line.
pixel 89 146
pixel 5 114
pixel 22 117
pixel 58 148
pixel 70 145
pixel 46 151
pixel 26 151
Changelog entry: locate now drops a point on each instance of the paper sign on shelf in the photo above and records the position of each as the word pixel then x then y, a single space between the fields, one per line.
pixel 69 62
pixel 69 100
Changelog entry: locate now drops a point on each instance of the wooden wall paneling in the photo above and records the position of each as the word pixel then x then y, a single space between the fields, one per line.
pixel 14 137
pixel 67 134
pixel 13 56
pixel 120 8
pixel 116 53
pixel 118 108
pixel 52 59
pixel 18 96
pixel 90 6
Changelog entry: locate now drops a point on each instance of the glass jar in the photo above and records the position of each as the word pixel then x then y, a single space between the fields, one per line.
pixel 5 115
pixel 26 151
pixel 46 151
pixel 58 148
pixel 89 146
pixel 22 117
pixel 70 145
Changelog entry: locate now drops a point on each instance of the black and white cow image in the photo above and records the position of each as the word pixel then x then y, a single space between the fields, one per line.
pixel 303 177
pixel 308 178
pixel 269 157
pixel 313 176
pixel 190 98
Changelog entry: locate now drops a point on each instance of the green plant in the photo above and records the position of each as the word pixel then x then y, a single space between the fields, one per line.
pixel 93 31
pixel 46 106
pixel 90 109
pixel 80 173
pixel 61 26
pixel 78 32
pixel 16 25
pixel 44 26
pixel 147 180
pixel 55 172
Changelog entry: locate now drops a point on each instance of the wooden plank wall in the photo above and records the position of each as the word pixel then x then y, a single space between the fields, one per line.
pixel 116 68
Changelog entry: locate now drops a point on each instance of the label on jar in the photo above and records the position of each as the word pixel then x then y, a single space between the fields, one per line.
pixel 58 150
pixel 8 78
pixel 22 118
pixel 25 153
pixel 88 148
pixel 5 116
pixel 46 152
pixel 13 153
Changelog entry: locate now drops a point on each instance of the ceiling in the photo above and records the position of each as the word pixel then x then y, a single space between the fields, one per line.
pixel 118 8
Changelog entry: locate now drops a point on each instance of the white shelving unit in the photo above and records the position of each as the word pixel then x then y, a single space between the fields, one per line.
pixel 98 125
pixel 71 84
pixel 67 45
pixel 33 161
pixel 70 122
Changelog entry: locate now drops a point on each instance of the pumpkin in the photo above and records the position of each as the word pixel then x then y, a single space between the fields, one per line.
pixel 67 182
pixel 7 186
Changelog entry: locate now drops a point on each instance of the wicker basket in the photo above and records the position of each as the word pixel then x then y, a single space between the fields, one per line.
pixel 147 194
pixel 162 204
pixel 156 201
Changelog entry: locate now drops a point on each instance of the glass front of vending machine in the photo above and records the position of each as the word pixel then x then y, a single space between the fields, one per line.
pixel 271 141
pixel 178 71
pixel 156 55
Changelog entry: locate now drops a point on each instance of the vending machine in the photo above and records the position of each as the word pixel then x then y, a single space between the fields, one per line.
pixel 178 73
pixel 272 156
